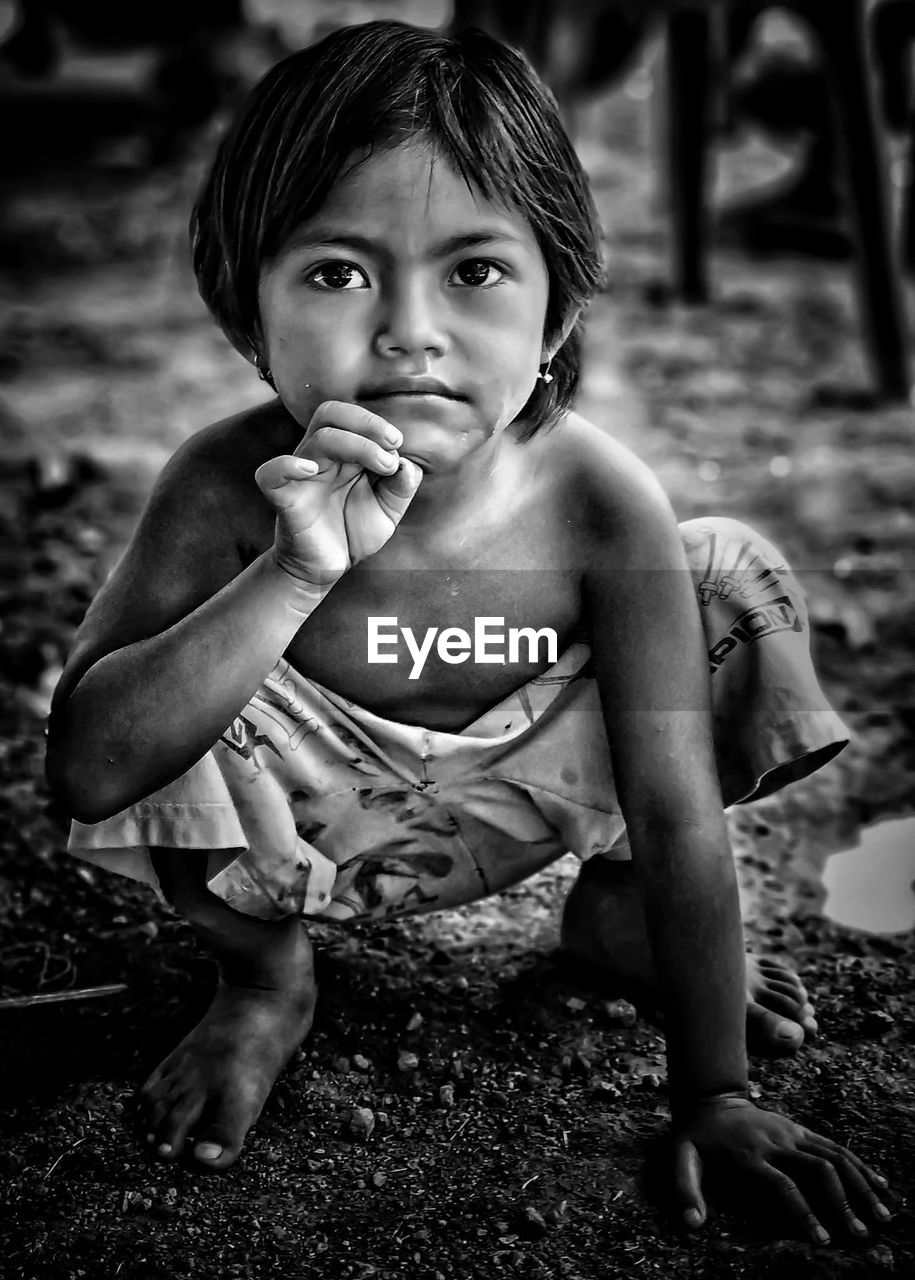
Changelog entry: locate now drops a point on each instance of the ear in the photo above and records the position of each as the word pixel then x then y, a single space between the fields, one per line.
pixel 550 347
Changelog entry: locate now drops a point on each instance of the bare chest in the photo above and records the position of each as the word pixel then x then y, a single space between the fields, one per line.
pixel 437 647
pixel 435 629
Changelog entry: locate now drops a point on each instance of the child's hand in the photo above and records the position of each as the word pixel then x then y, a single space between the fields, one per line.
pixel 340 496
pixel 773 1156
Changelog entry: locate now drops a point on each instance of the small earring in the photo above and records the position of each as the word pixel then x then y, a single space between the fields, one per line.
pixel 544 375
pixel 263 372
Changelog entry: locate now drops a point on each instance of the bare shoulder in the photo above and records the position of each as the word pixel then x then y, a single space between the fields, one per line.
pixel 615 505
pixel 204 520
pixel 218 462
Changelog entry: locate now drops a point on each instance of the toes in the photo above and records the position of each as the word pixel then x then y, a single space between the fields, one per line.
pixel 778 972
pixel 779 989
pixel 166 1122
pixel 779 1002
pixel 217 1146
pixel 174 1127
pixel 219 1138
pixel 773 1031
pixel 215 1155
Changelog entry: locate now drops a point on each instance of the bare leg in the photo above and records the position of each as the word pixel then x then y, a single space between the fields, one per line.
pixel 211 1088
pixel 603 925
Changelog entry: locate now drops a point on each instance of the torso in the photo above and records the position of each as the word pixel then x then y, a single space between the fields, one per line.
pixel 441 582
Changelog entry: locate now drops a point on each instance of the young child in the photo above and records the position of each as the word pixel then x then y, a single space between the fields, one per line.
pixel 320 683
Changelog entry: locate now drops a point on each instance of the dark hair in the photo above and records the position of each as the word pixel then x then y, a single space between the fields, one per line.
pixel 375 85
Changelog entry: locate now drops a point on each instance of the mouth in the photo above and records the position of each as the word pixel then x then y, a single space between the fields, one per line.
pixel 421 389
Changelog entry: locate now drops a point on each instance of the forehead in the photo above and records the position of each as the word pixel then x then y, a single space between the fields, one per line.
pixel 411 192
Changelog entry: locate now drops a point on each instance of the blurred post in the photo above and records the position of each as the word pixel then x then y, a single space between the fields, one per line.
pixel 843 34
pixel 689 70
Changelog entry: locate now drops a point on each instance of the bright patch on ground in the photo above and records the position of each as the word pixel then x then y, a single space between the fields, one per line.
pixel 872 886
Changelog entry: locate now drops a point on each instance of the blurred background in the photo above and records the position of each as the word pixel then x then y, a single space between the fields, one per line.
pixel 753 168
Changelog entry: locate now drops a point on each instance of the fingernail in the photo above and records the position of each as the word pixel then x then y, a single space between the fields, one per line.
pixel 821 1235
pixel 858 1227
pixel 881 1210
pixel 786 1030
pixel 164 1148
pixel 880 1178
pixel 208 1150
pixel 393 437
pixel 810 1024
pixel 693 1217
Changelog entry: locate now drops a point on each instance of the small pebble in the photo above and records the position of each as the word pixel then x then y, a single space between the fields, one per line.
pixel 446 1095
pixel 407 1061
pixel 341 1065
pixel 362 1122
pixel 877 1021
pixel 379 1178
pixel 415 1022
pixel 575 1005
pixel 533 1223
pixel 621 1012
pixel 360 1063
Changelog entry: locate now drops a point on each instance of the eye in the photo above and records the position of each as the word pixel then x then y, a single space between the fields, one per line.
pixel 474 272
pixel 337 277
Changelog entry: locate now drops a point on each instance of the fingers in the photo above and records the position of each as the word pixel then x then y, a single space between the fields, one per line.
pixel 688 1183
pixel 337 426
pixel 857 1177
pixel 794 1203
pixel 815 1141
pixel 339 436
pixel 278 472
pixel 395 493
pixel 331 446
pixel 832 1192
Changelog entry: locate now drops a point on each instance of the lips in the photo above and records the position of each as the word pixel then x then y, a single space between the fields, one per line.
pixel 419 387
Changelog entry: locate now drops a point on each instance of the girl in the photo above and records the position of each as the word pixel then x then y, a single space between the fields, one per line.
pixel 399 235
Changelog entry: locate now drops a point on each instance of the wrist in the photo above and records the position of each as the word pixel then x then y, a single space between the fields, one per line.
pixel 688 1101
pixel 304 594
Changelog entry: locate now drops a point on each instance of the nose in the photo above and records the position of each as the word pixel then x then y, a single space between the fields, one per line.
pixel 412 320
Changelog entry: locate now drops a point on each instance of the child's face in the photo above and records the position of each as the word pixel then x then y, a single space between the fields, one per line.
pixel 404 273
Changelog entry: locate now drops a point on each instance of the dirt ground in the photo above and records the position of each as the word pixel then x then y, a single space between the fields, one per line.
pixel 523 1135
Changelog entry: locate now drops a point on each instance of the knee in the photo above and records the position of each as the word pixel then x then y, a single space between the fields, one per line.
pixel 719 545
pixel 725 531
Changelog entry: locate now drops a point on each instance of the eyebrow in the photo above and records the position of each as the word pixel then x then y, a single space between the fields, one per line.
pixel 454 244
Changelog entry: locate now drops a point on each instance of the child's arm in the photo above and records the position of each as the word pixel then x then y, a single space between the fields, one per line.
pixel 179 639
pixel 653 677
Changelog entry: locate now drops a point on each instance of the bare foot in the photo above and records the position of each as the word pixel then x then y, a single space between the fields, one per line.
pixel 779 1012
pixel 212 1087
pixel 603 927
